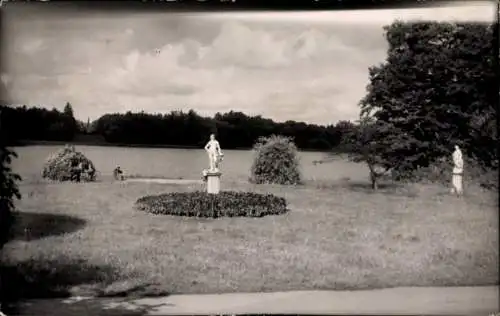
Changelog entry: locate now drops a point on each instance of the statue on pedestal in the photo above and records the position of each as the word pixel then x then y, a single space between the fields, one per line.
pixel 214 153
pixel 458 170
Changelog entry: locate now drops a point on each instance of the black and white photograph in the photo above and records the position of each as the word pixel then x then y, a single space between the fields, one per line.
pixel 163 162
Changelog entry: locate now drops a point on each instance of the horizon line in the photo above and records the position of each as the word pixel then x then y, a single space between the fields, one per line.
pixel 182 111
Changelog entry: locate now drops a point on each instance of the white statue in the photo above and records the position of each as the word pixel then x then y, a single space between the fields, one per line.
pixel 214 153
pixel 458 170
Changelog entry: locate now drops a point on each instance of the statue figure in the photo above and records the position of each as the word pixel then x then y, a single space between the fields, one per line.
pixel 214 153
pixel 458 170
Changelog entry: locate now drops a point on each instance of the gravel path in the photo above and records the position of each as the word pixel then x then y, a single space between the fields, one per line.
pixel 164 181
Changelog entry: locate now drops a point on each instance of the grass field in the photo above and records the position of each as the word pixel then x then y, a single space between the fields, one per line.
pixel 86 239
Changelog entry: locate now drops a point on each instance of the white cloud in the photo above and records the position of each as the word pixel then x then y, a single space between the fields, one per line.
pixel 31 45
pixel 249 69
pixel 5 79
pixel 129 32
pixel 239 45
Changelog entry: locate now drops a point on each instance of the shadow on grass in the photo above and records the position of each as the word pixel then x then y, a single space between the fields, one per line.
pixel 30 226
pixel 39 278
pixel 90 306
pixel 387 188
pixel 65 277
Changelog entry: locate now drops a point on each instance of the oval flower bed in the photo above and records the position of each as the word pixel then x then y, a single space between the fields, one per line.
pixel 202 204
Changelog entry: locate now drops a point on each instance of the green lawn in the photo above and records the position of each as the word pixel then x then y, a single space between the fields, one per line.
pixel 86 239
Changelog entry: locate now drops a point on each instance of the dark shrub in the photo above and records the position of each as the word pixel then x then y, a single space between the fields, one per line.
pixel 276 161
pixel 202 204
pixel 8 193
pixel 9 190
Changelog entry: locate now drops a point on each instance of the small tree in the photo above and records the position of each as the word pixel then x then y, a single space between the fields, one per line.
pixel 68 110
pixel 276 161
pixel 372 142
pixel 70 123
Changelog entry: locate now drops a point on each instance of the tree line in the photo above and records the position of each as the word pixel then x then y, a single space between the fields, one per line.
pixel 233 129
pixel 34 123
pixel 177 128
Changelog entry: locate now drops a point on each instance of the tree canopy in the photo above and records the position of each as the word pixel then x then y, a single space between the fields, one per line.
pixel 438 87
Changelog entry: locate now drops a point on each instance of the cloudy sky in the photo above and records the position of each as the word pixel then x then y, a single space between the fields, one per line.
pixel 306 66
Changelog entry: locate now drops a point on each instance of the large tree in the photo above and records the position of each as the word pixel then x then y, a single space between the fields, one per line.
pixel 437 87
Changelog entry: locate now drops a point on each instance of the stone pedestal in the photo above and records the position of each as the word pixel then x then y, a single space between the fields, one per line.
pixel 213 182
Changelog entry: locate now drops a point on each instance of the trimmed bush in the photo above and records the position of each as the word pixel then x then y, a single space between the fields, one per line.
pixel 276 161
pixel 202 204
pixel 59 166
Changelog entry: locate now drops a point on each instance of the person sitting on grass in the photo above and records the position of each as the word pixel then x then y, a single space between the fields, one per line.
pixel 118 173
pixel 91 172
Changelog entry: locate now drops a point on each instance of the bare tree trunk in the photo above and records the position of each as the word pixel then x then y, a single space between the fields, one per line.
pixel 373 177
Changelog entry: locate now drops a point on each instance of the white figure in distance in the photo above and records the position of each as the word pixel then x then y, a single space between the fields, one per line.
pixel 458 171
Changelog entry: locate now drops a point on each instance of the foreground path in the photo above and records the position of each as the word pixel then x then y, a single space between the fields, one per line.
pixel 432 301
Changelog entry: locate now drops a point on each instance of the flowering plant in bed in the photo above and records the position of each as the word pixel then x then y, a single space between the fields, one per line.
pixel 202 204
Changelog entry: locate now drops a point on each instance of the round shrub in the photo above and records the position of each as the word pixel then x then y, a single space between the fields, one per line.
pixel 59 166
pixel 276 161
pixel 202 204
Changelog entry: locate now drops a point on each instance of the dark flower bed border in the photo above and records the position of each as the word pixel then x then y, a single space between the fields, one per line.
pixel 202 204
